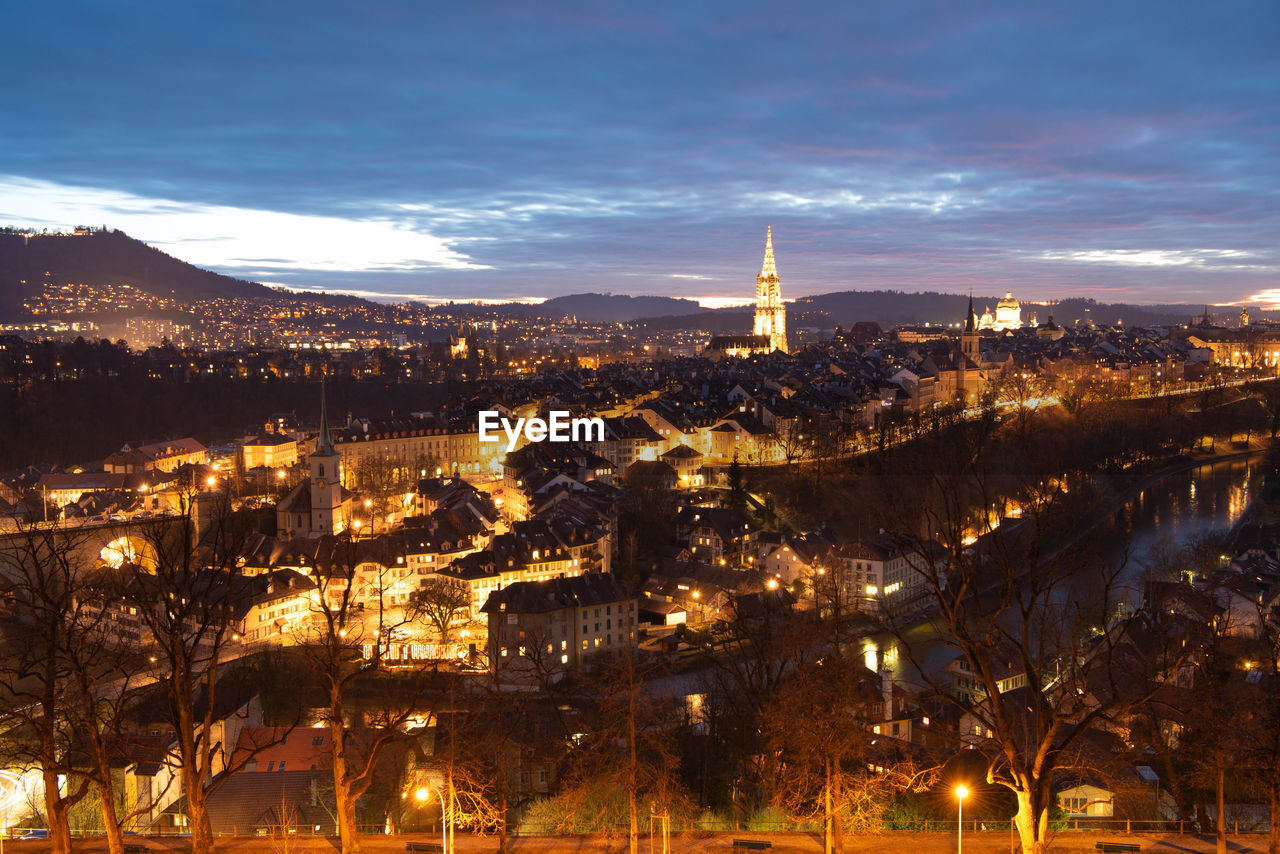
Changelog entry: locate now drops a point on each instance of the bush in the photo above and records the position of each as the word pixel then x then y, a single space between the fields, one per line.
pixel 907 813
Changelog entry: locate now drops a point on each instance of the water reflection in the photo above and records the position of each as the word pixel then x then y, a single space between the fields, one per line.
pixel 1187 506
pixel 1146 534
pixel 880 652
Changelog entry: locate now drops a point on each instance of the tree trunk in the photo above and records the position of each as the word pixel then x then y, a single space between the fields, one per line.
pixel 1273 831
pixel 56 813
pixel 106 791
pixel 837 820
pixel 1032 821
pixel 828 837
pixel 348 836
pixel 115 837
pixel 345 804
pixel 632 759
pixel 500 764
pixel 197 814
pixel 1222 818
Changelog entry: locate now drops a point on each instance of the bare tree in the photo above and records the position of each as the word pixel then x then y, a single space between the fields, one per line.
pixel 1036 620
pixel 626 747
pixel 828 760
pixel 36 679
pixel 441 603
pixel 185 605
pixel 107 666
pixel 750 656
pixel 345 648
pixel 817 726
pixel 383 482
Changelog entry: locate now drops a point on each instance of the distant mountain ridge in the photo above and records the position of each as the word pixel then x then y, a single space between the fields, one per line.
pixel 893 308
pixel 105 258
pixel 114 258
pixel 604 308
pixel 889 308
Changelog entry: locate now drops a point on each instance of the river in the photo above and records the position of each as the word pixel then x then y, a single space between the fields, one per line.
pixel 1166 517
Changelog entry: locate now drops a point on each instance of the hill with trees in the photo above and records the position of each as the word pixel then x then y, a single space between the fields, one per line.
pixel 102 258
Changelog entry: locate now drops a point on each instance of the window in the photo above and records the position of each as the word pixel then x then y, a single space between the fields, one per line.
pixel 318 740
pixel 281 768
pixel 271 766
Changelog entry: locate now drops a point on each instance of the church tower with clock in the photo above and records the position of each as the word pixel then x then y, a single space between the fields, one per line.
pixel 321 505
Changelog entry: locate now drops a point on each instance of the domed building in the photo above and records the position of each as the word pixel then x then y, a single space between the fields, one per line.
pixel 1008 315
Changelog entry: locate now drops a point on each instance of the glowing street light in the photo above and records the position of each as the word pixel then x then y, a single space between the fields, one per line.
pixel 962 792
pixel 422 794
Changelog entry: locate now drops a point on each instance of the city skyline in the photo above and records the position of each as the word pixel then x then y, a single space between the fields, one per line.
pixel 516 153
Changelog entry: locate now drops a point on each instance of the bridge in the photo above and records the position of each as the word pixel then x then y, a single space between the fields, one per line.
pixel 90 544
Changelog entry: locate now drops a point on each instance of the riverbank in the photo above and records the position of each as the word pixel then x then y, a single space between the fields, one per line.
pixel 1130 492
pixel 1255 446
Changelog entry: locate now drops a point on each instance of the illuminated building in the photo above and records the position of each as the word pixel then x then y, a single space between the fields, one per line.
pixel 321 505
pixel 1008 315
pixel 771 314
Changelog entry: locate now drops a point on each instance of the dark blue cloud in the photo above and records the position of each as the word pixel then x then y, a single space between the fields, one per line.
pixel 1046 148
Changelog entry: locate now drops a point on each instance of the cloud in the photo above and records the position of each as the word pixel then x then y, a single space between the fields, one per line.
pixel 232 238
pixel 1220 258
pixel 1091 148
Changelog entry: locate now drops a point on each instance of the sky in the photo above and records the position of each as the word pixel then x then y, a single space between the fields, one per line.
pixel 1120 151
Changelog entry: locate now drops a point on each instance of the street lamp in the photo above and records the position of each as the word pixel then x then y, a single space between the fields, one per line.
pixel 962 792
pixel 421 794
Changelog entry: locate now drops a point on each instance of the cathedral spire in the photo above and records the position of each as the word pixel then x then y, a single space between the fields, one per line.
pixel 771 314
pixel 969 319
pixel 768 270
